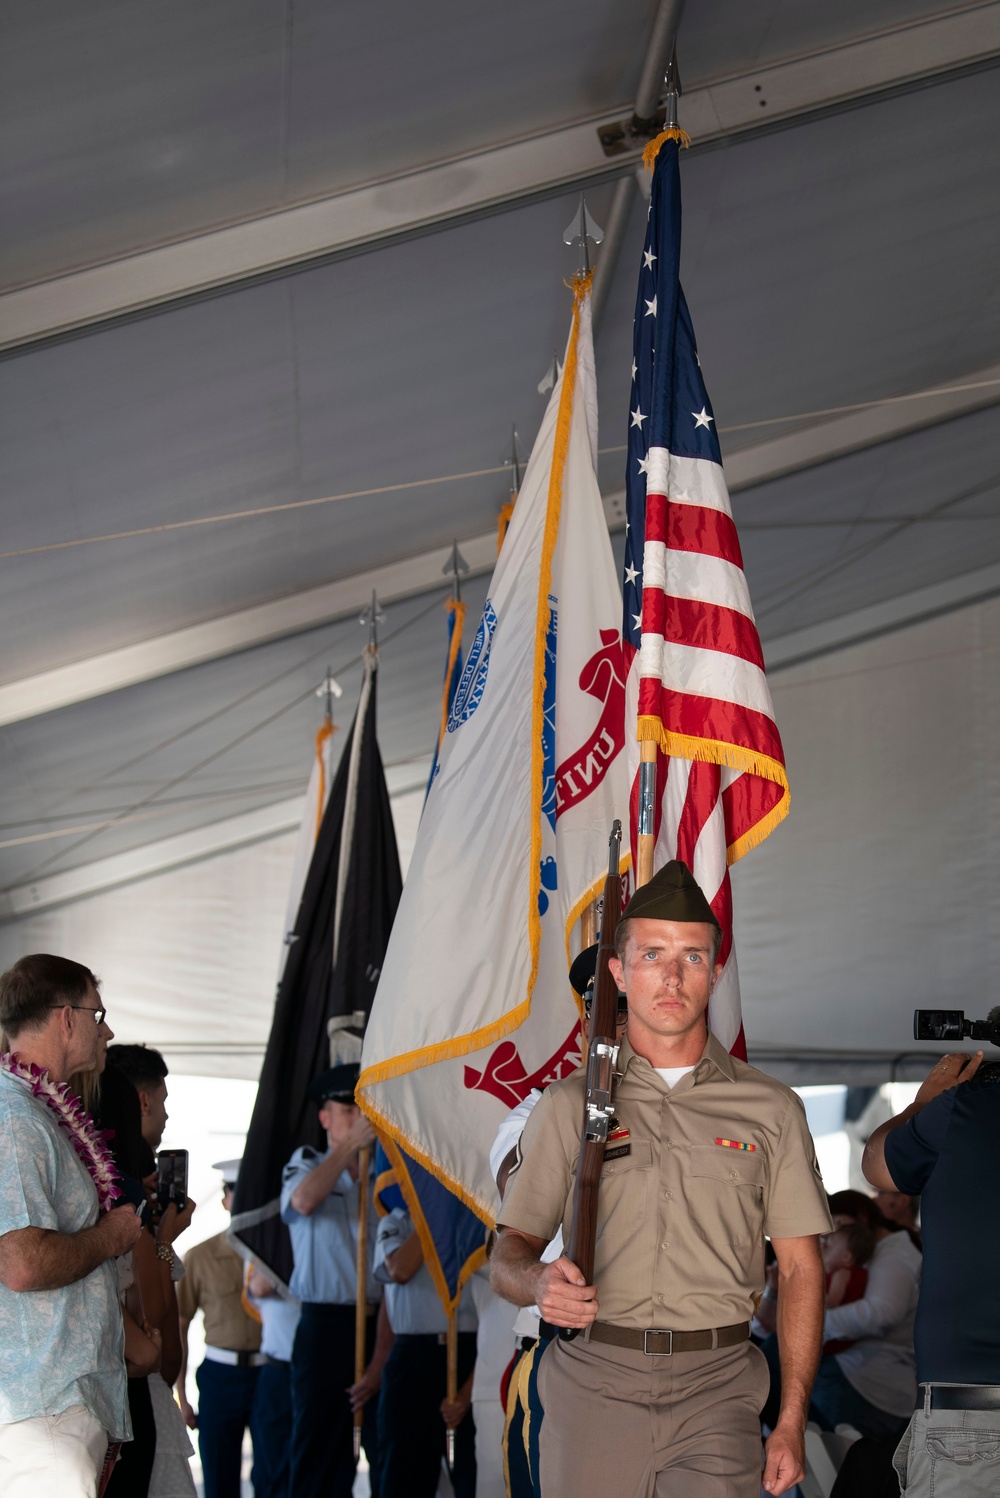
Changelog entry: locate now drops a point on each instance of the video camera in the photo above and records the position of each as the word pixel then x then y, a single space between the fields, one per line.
pixel 951 1024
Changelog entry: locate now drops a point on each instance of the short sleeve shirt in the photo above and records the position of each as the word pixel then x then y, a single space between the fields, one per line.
pixel 57 1347
pixel 325 1242
pixel 415 1308
pixel 949 1155
pixel 695 1175
pixel 213 1284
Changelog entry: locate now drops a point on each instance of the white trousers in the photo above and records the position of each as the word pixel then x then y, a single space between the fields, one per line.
pixel 60 1454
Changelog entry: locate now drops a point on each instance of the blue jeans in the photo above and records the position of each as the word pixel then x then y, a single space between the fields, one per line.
pixel 225 1402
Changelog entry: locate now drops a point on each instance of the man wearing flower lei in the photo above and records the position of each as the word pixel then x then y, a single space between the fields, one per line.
pixel 62 1367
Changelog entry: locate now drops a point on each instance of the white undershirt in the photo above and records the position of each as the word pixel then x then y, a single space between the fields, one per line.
pixel 672 1074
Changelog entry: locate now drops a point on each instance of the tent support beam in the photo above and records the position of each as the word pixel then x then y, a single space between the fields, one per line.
pixel 502 177
pixel 80 681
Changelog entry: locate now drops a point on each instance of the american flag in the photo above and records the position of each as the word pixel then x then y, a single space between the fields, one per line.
pixel 696 684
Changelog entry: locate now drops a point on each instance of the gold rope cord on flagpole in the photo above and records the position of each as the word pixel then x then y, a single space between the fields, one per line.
pixel 360 1303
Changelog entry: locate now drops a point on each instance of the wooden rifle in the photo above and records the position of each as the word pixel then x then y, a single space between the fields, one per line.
pixel 601 1058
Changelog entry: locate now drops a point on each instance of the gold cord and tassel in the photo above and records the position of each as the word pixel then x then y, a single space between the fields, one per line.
pixel 652 150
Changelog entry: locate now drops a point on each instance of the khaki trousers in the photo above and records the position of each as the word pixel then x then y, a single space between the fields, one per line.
pixel 61 1455
pixel 618 1422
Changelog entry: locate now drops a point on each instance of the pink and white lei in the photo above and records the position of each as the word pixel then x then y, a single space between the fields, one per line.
pixel 86 1138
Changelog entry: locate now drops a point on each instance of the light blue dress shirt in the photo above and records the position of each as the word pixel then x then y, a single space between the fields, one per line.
pixel 415 1307
pixel 57 1347
pixel 325 1244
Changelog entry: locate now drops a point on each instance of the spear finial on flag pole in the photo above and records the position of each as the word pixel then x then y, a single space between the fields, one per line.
pixel 671 130
pixel 514 464
pixel 373 615
pixel 581 228
pixel 548 380
pixel 328 689
pixel 454 567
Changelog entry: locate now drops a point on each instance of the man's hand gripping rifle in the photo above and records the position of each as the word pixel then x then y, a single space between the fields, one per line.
pixel 601 1060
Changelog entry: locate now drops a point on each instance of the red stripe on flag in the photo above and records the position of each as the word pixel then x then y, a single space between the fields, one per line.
pixel 704 626
pixel 702 794
pixel 746 802
pixel 710 718
pixel 696 528
pixel 656 517
pixel 710 532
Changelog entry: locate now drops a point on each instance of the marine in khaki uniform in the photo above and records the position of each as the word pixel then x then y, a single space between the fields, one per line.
pixel 660 1392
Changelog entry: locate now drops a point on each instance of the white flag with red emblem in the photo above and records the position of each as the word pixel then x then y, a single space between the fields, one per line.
pixel 474 1006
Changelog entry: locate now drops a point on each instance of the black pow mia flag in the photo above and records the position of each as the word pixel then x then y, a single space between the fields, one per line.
pixel 341 934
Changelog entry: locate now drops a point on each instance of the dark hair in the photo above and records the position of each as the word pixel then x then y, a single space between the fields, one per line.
pixel 118 1110
pixel 860 1241
pixel 863 1209
pixel 36 985
pixel 144 1067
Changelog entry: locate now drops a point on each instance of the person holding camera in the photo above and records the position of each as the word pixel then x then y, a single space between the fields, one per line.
pixel 946 1147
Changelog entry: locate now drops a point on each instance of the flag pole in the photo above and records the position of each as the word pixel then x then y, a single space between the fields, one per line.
pixel 452 1389
pixel 372 616
pixel 360 1304
pixel 647 806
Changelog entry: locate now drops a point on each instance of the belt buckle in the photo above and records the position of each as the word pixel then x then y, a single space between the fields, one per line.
pixel 655 1331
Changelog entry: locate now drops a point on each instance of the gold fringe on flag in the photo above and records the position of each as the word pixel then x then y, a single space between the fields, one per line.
pixel 652 150
pixel 454 646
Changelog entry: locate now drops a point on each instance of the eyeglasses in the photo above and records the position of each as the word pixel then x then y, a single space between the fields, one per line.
pixel 100 1015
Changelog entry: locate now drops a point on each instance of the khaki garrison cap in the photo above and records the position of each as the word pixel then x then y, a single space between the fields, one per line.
pixel 671 895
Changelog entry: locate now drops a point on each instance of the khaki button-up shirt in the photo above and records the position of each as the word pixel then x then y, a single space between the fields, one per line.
pixel 213 1283
pixel 683 1210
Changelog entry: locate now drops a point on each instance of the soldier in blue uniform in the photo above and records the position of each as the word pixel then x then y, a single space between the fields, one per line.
pixel 411 1426
pixel 319 1202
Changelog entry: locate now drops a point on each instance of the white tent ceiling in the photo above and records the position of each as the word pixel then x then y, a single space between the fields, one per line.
pixel 307 260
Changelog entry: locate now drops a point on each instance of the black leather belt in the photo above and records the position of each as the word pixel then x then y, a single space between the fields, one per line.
pixel 959 1396
pixel 656 1342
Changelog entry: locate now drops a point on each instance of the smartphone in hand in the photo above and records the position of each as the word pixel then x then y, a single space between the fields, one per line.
pixel 171 1178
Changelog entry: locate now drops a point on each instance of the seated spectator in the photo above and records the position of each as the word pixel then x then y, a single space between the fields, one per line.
pixel 845 1252
pixel 896 1207
pixel 870 1383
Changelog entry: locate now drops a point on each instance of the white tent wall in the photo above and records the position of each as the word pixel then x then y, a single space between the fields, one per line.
pixel 188 958
pixel 876 896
